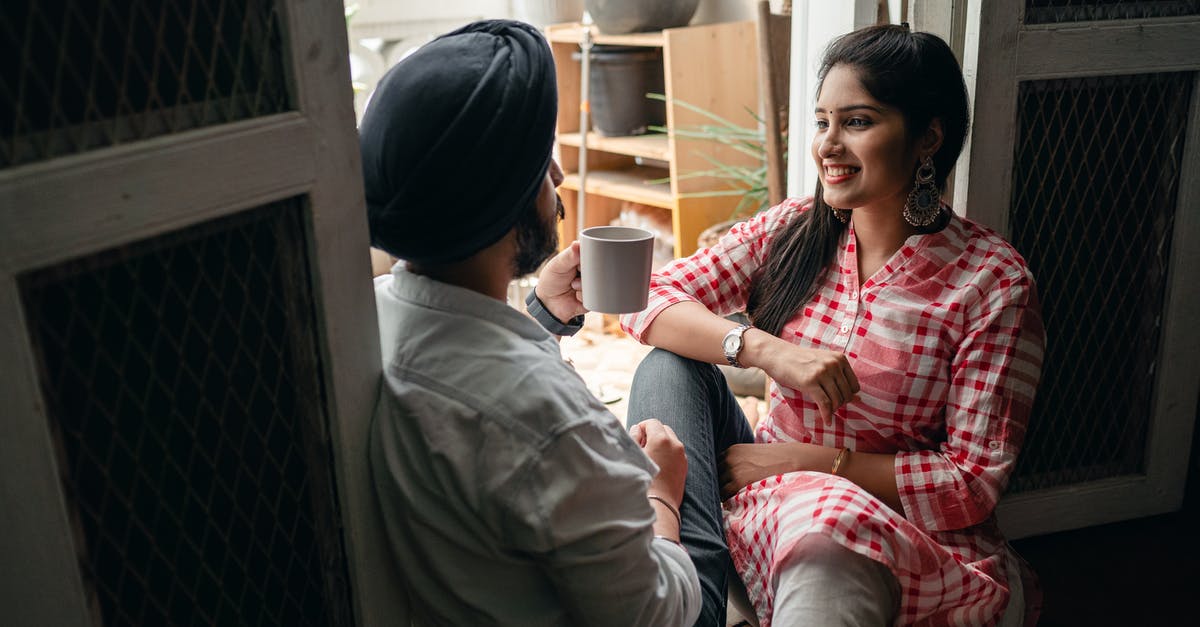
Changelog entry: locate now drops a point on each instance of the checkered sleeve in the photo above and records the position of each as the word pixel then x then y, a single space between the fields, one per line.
pixel 994 375
pixel 717 277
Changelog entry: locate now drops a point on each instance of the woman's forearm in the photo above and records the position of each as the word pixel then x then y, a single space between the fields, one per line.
pixel 744 464
pixel 875 473
pixel 690 330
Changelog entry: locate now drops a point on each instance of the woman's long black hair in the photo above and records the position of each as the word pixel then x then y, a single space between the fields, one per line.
pixel 917 74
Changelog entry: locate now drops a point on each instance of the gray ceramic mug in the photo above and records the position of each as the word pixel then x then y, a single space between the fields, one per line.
pixel 614 266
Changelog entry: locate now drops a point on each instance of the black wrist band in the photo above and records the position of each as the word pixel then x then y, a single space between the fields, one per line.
pixel 534 306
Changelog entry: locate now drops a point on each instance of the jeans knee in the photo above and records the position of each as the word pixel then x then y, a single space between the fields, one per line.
pixel 663 368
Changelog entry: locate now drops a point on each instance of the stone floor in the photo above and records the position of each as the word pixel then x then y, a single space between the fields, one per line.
pixel 606 358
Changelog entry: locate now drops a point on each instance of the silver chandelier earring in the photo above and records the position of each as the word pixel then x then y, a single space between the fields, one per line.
pixel 924 201
pixel 842 215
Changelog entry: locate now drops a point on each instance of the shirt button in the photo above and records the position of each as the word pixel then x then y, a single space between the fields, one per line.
pixel 845 328
pixel 854 295
pixel 994 445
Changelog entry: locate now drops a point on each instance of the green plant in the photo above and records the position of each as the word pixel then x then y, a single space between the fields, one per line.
pixel 750 183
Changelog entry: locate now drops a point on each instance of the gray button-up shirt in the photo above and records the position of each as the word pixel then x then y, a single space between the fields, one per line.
pixel 511 496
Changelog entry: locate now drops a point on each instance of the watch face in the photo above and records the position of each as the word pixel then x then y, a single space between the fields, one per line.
pixel 731 343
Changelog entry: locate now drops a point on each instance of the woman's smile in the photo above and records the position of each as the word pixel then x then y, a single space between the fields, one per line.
pixel 835 174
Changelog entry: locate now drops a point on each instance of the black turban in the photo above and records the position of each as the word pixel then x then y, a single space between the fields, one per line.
pixel 456 141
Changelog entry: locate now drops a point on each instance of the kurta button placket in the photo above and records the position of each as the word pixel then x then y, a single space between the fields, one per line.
pixel 851 307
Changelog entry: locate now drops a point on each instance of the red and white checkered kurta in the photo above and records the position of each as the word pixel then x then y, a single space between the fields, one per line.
pixel 946 340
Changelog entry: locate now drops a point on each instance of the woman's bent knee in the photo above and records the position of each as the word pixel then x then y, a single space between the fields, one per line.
pixel 823 582
pixel 663 368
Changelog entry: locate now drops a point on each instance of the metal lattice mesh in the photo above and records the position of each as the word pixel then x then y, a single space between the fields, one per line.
pixel 1096 175
pixel 1059 11
pixel 77 75
pixel 182 384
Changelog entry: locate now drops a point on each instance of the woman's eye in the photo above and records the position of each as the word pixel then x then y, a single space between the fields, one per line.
pixel 858 122
pixel 821 124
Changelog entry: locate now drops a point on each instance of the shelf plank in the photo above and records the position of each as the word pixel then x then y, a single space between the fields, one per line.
pixel 628 184
pixel 572 33
pixel 651 146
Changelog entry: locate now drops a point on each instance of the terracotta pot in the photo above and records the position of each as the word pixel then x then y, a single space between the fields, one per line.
pixel 617 17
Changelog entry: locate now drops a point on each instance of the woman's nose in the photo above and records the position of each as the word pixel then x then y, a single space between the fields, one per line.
pixel 830 145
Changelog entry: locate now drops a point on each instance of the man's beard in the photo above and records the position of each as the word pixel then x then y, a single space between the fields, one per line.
pixel 537 239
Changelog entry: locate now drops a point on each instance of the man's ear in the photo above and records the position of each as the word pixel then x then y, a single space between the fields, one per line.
pixel 931 140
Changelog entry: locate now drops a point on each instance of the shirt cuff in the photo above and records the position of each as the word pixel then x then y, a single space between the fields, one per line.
pixel 534 306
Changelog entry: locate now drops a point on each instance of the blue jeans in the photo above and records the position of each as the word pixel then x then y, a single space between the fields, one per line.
pixel 693 398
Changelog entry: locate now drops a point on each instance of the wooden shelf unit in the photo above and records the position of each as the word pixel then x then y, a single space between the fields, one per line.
pixel 632 184
pixel 712 66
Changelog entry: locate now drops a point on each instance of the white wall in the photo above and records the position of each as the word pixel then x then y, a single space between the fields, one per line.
pixel 814 24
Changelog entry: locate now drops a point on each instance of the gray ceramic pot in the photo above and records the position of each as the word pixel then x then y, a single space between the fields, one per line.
pixel 543 12
pixel 617 17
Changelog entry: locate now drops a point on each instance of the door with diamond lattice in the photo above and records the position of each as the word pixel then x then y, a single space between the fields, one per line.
pixel 188 346
pixel 1085 153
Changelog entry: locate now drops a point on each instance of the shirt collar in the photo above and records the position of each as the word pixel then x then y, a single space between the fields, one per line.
pixel 426 292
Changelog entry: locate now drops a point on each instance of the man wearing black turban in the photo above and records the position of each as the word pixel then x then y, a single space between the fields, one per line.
pixel 520 498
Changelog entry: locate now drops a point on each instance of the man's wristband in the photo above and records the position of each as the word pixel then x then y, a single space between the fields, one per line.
pixel 534 306
pixel 670 508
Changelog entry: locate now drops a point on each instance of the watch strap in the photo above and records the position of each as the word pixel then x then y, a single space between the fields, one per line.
pixel 538 310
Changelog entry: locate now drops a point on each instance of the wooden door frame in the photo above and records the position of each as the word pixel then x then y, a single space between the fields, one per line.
pixel 1005 52
pixel 67 207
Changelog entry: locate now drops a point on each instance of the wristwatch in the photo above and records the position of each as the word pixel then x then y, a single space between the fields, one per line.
pixel 733 345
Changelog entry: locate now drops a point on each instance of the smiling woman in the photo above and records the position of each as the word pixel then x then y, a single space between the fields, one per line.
pixel 904 344
pixel 862 146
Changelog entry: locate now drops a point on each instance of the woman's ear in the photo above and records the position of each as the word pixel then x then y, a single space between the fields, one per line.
pixel 931 140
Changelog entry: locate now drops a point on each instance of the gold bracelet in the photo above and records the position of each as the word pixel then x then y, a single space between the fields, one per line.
pixel 671 508
pixel 839 460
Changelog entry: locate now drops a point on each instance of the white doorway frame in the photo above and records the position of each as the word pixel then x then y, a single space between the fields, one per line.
pixel 63 208
pixel 1000 52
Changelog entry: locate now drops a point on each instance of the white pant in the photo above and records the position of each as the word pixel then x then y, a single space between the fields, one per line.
pixel 824 583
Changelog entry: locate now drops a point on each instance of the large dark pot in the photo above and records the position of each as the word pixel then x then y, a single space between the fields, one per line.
pixel 620 79
pixel 617 17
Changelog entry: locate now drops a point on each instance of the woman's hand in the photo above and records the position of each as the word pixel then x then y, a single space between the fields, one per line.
pixel 663 447
pixel 744 464
pixel 559 287
pixel 824 376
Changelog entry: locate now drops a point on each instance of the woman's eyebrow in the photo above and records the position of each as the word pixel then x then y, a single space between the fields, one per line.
pixel 852 108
